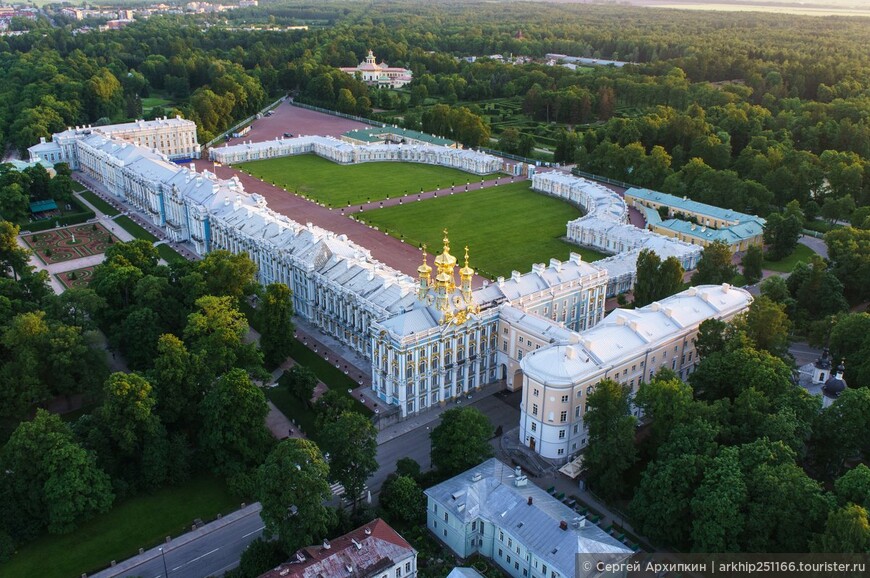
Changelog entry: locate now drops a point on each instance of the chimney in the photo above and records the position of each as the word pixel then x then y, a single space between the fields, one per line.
pixel 515 275
pixel 563 525
pixel 368 531
pixel 326 545
pixel 530 500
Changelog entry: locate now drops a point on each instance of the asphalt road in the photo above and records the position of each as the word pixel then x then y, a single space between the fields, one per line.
pixel 502 411
pixel 216 551
pixel 211 554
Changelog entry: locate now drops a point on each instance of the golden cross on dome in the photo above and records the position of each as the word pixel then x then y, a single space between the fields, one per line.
pixel 466 255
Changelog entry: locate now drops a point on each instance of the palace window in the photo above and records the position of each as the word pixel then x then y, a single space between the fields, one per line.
pixel 564 399
pixel 563 417
pixel 534 409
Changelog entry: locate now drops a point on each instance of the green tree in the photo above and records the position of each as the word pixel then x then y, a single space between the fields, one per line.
pixel 854 486
pixel 403 500
pixel 176 386
pixel 214 334
pixel 330 406
pixel 14 202
pixel 300 381
pixel 228 274
pixel 668 401
pixel 509 140
pixel 13 258
pixel 611 451
pixel 840 432
pixel 670 481
pixel 351 442
pixel 718 520
pixel 711 337
pixel 656 279
pixel 138 253
pixel 461 440
pixel 715 266
pixel 849 254
pixel 767 325
pixel 838 209
pixel 292 486
pixel 234 437
pixel 276 321
pixel 847 530
pixel 752 262
pixel 781 233
pixel 50 481
pixel 816 290
pixel 259 557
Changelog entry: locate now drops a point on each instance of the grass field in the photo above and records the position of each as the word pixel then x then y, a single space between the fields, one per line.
pixel 142 521
pixel 506 228
pixel 801 253
pixel 166 252
pixel 335 185
pixel 99 204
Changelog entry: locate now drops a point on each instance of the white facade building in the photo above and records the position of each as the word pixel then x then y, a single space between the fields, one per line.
pixel 492 510
pixel 380 75
pixel 343 152
pixel 429 340
pixel 173 137
pixel 629 347
pixel 604 227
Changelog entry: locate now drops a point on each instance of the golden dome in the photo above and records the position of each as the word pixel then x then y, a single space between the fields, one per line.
pixel 445 259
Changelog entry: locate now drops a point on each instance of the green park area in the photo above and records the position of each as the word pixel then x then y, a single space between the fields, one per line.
pixel 98 203
pixel 140 522
pixel 337 185
pixel 506 228
pixel 801 253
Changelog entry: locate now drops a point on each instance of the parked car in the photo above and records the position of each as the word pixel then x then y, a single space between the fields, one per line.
pixel 288 135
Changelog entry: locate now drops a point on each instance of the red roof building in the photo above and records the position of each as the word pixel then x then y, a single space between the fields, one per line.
pixel 371 551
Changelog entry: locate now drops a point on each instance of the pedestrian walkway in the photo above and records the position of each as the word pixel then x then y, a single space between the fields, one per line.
pixel 423 195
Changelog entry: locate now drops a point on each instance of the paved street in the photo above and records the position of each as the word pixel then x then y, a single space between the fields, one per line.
pixel 415 444
pixel 210 550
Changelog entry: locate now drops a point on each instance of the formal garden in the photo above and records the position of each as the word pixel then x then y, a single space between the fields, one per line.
pixel 508 227
pixel 59 245
pixel 76 277
pixel 336 185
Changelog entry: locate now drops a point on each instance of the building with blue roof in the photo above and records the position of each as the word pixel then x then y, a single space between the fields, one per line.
pixel 697 223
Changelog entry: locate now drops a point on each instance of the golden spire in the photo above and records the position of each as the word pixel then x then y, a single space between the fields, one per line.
pixel 425 266
pixel 466 271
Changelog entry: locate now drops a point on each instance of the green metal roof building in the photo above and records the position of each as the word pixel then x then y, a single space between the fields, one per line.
pixel 395 135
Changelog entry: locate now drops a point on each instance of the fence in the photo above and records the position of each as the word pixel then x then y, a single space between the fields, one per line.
pixel 609 181
pixel 242 123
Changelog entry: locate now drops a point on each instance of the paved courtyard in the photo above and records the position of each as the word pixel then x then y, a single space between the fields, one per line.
pixel 297 121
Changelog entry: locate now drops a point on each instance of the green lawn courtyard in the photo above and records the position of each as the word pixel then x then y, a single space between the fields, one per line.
pixel 140 522
pixel 337 185
pixel 801 253
pixel 506 228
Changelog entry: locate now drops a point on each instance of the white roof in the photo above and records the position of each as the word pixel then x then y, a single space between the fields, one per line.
pixel 626 333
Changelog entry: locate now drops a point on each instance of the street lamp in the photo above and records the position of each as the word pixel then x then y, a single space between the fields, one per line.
pixel 163 555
